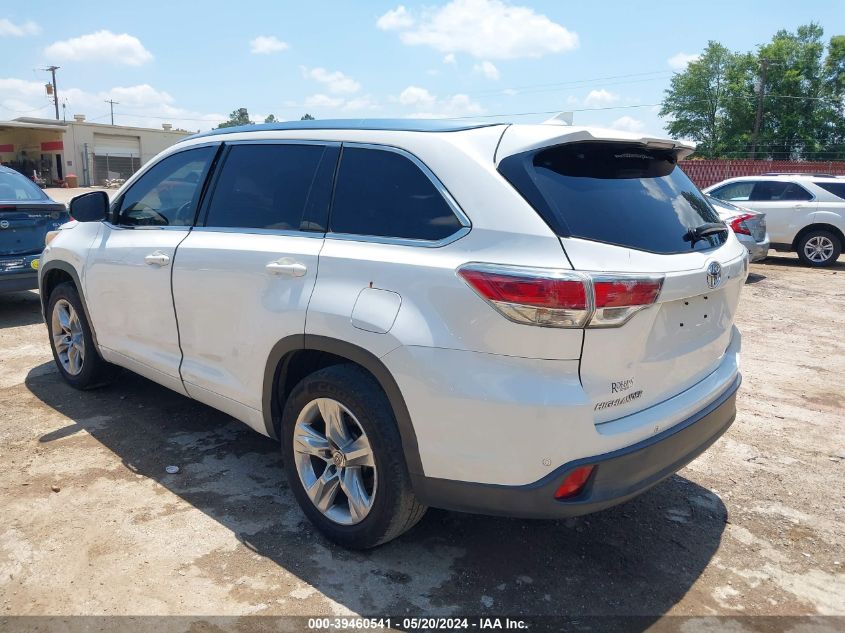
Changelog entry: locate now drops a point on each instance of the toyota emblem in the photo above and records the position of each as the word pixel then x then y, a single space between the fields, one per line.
pixel 714 275
pixel 4 224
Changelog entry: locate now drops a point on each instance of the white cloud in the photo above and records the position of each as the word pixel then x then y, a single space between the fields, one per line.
pixel 101 46
pixel 487 69
pixel 428 106
pixel 266 44
pixel 449 59
pixel 395 19
pixel 141 105
pixel 510 92
pixel 600 97
pixel 335 82
pixel 323 101
pixel 680 61
pixel 416 96
pixel 10 29
pixel 486 29
pixel 628 124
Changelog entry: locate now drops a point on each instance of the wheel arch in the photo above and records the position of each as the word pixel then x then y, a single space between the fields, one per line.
pixel 54 273
pixel 818 226
pixel 285 353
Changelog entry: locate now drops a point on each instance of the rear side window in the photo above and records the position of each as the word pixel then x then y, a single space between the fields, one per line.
pixel 615 193
pixel 167 194
pixel 17 187
pixel 383 193
pixel 776 191
pixel 836 188
pixel 271 186
pixel 735 191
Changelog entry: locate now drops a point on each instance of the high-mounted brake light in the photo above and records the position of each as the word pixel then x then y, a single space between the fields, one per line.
pixel 738 224
pixel 560 298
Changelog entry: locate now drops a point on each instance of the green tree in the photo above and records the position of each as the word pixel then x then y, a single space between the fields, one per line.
pixel 307 117
pixel 271 118
pixel 238 117
pixel 701 101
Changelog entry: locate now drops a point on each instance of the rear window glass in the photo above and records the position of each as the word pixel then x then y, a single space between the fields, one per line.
pixel 17 187
pixel 836 188
pixel 619 194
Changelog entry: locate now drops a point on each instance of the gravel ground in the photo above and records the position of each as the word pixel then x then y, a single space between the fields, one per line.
pixel 92 524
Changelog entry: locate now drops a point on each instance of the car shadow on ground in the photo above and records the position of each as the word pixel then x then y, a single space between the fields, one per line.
pixel 19 308
pixel 794 262
pixel 639 558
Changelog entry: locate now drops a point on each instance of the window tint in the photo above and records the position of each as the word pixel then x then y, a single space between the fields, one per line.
pixel 734 191
pixel 836 188
pixel 383 193
pixel 167 194
pixel 271 186
pixel 777 191
pixel 18 187
pixel 614 193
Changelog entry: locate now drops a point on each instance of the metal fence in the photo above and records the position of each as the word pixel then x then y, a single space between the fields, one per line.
pixel 708 172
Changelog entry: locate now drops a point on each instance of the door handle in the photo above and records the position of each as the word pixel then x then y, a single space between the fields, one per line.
pixel 286 267
pixel 157 259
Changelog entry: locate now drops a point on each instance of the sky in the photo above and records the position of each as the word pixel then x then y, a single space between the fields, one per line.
pixel 190 63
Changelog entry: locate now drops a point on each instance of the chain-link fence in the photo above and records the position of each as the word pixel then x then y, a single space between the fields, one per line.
pixel 708 172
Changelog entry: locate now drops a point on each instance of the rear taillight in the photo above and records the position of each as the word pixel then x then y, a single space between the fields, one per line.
pixel 738 224
pixel 561 298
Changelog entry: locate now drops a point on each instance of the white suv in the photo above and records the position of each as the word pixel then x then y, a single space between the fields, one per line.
pixel 528 320
pixel 805 213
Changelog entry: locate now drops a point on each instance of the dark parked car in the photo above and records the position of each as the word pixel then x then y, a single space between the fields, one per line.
pixel 26 215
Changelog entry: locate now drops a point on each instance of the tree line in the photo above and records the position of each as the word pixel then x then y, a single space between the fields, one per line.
pixel 241 117
pixel 784 101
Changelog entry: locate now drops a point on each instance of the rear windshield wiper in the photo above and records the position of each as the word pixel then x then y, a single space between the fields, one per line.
pixel 701 231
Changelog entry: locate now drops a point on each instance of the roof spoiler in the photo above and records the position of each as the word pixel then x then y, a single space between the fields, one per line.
pixel 523 138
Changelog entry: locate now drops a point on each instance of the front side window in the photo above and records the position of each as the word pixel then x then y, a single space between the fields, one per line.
pixel 167 194
pixel 779 191
pixel 735 191
pixel 385 194
pixel 267 186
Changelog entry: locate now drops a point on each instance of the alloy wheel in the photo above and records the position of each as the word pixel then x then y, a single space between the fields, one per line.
pixel 68 337
pixel 335 461
pixel 818 248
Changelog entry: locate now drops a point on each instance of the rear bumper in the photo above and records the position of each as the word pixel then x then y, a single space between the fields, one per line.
pixel 756 250
pixel 15 281
pixel 618 475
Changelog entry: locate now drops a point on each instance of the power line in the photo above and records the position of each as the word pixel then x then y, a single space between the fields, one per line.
pixel 112 103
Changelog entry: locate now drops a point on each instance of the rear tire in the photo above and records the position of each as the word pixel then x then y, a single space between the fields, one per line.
pixel 358 451
pixel 71 341
pixel 818 248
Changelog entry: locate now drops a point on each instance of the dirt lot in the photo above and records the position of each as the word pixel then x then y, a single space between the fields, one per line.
pixel 92 524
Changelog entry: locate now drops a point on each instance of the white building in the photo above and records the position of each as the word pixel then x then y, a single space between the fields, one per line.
pixel 93 152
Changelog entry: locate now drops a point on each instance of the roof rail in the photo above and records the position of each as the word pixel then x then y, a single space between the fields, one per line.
pixel 798 173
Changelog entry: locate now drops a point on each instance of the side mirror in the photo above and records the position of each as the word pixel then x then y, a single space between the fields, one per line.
pixel 90 207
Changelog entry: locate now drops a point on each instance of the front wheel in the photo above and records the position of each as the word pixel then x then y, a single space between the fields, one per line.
pixel 819 248
pixel 71 340
pixel 343 458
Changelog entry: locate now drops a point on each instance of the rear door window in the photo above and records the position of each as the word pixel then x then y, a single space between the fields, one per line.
pixel 383 193
pixel 779 191
pixel 281 187
pixel 616 193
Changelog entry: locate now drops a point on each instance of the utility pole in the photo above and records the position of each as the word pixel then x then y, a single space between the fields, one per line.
pixel 112 104
pixel 52 70
pixel 761 94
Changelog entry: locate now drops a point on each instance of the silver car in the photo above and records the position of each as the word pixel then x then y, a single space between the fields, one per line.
pixel 748 226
